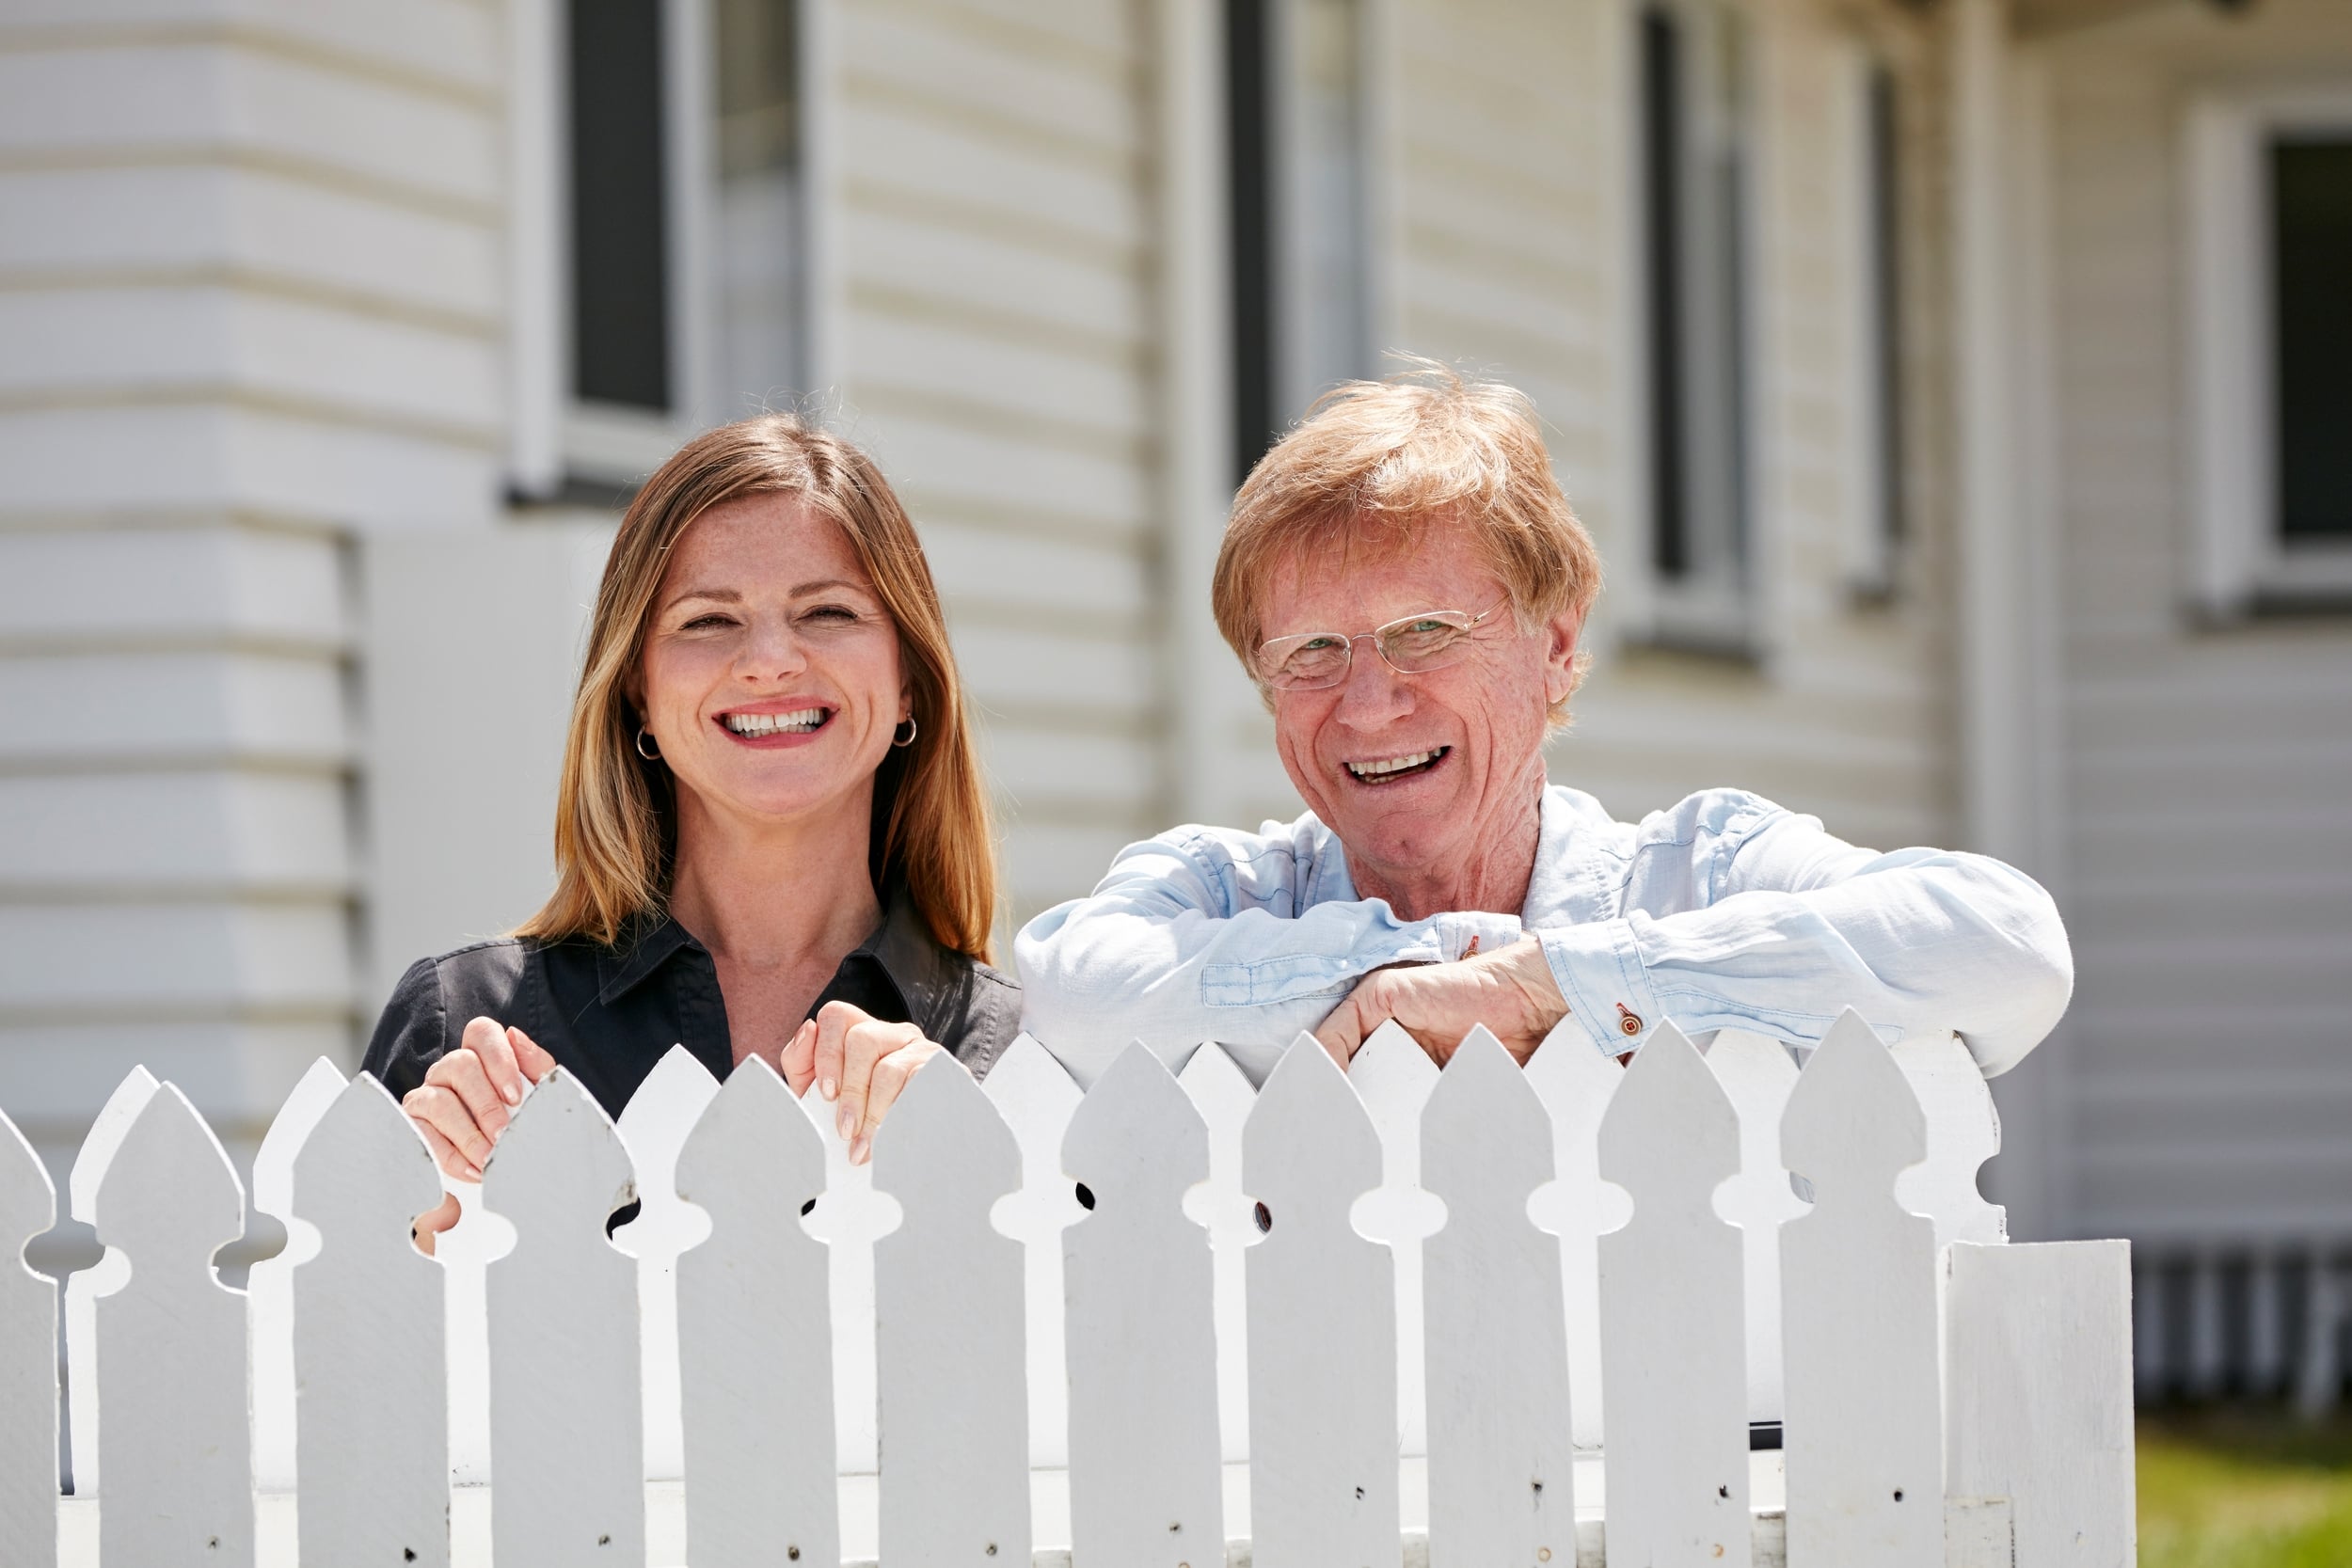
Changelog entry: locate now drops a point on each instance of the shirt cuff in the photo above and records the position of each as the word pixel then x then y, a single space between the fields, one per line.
pixel 1600 975
pixel 1455 930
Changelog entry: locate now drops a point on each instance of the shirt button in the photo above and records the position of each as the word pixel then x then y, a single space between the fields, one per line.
pixel 1629 1022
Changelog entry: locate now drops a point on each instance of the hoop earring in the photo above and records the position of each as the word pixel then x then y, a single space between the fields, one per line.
pixel 907 738
pixel 643 736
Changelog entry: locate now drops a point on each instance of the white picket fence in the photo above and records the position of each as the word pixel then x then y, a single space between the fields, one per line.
pixel 1475 1318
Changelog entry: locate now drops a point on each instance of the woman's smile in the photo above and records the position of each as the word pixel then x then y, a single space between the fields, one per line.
pixel 776 726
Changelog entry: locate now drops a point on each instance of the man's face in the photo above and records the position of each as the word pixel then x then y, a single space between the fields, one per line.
pixel 1469 737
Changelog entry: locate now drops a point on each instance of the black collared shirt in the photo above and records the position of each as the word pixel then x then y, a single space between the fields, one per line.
pixel 608 1014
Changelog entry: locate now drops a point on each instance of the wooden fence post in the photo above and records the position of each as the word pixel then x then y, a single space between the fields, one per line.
pixel 2039 1395
pixel 1392 1076
pixel 28 1358
pixel 1864 1435
pixel 754 1335
pixel 1502 1463
pixel 949 1331
pixel 1323 1457
pixel 1672 1336
pixel 567 1390
pixel 1144 1482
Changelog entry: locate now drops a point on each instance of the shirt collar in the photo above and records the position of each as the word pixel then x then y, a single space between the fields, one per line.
pixel 900 944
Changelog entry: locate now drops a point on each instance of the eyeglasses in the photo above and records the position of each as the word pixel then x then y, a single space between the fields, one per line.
pixel 1410 645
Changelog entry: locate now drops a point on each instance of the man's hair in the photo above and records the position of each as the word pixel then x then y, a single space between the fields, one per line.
pixel 1376 464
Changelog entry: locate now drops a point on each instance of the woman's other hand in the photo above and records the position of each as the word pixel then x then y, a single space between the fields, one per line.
pixel 1511 991
pixel 858 1062
pixel 470 1095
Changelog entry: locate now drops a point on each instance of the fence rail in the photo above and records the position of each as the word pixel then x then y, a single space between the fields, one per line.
pixel 1478 1317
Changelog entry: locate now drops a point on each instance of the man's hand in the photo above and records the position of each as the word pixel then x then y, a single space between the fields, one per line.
pixel 859 1061
pixel 1511 991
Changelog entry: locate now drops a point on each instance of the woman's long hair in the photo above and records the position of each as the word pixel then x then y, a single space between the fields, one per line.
pixel 616 822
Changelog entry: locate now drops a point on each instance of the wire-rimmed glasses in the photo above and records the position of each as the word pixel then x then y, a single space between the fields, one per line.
pixel 1410 645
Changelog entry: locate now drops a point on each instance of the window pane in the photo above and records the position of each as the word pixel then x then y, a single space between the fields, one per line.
pixel 620 286
pixel 1887 297
pixel 2312 200
pixel 1250 182
pixel 1662 181
pixel 1333 311
pixel 758 249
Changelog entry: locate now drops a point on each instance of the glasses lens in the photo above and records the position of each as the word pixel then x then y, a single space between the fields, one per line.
pixel 1423 641
pixel 1304 663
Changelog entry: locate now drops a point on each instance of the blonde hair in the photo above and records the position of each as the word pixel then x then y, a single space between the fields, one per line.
pixel 1379 462
pixel 614 814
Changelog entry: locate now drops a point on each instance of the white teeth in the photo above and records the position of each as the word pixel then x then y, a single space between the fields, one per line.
pixel 776 723
pixel 1391 764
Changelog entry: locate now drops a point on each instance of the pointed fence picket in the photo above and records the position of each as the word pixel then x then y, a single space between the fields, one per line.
pixel 1588 1239
pixel 1502 1483
pixel 1144 1482
pixel 1323 1473
pixel 753 1332
pixel 566 1389
pixel 950 1335
pixel 28 1358
pixel 369 1355
pixel 1672 1351
pixel 176 1442
pixel 1863 1448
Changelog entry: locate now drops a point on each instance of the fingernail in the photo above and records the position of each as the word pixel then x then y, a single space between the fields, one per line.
pixel 861 1151
pixel 846 1121
pixel 828 1088
pixel 514 1096
pixel 473 1173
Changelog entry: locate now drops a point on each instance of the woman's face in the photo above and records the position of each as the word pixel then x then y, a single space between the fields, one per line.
pixel 770 675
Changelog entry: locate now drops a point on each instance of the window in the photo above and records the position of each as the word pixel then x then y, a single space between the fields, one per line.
pixel 678 232
pixel 1692 81
pixel 2269 211
pixel 1299 185
pixel 2311 269
pixel 1871 119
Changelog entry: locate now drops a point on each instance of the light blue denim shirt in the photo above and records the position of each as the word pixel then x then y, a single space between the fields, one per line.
pixel 1726 911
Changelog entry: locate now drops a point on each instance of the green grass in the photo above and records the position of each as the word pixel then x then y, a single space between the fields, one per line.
pixel 2231 1488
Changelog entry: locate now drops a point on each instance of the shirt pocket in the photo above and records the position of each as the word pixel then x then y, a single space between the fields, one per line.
pixel 1297 978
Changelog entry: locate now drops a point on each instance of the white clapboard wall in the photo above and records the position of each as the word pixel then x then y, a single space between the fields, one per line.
pixel 1484 1308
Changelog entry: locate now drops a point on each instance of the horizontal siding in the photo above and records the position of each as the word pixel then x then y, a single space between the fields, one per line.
pixel 2210 884
pixel 1512 124
pixel 252 285
pixel 995 339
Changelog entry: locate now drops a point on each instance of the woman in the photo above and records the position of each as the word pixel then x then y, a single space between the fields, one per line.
pixel 771 838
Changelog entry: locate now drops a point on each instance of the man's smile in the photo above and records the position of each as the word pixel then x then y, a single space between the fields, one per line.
pixel 1381 771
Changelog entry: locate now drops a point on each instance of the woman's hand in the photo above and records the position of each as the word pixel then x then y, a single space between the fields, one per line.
pixel 470 1095
pixel 858 1061
pixel 1510 990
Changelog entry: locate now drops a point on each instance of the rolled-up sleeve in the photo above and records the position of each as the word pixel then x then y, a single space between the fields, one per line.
pixel 1796 924
pixel 1196 936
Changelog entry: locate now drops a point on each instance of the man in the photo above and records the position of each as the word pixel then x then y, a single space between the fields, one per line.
pixel 1405 583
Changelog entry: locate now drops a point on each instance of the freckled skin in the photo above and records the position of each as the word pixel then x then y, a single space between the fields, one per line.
pixel 703 656
pixel 1462 835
